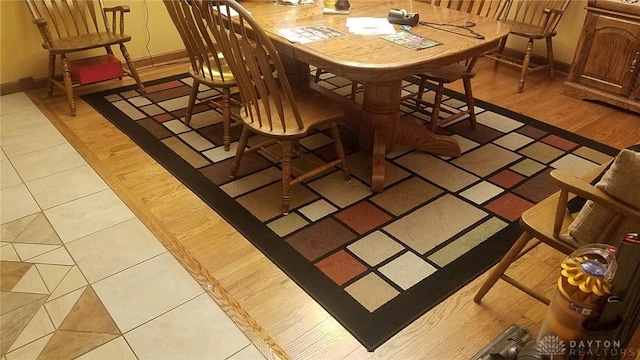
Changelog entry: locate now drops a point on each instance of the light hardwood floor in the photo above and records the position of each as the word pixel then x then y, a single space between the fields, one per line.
pixel 278 316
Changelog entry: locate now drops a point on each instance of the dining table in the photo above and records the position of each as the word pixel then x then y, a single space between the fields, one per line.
pixel 378 64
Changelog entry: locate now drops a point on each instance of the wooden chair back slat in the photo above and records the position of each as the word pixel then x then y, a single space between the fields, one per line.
pixel 73 18
pixel 546 14
pixel 266 94
pixel 493 9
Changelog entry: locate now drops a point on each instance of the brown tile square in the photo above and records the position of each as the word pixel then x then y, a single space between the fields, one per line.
pixel 155 129
pixel 560 143
pixel 171 93
pixel 537 188
pixel 219 172
pixel 164 86
pixel 506 178
pixel 341 267
pixel 320 239
pixel 363 217
pixel 532 132
pixel 509 206
pixel 481 134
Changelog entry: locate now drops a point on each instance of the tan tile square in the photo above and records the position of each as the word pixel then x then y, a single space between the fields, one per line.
pixel 27 131
pixel 486 159
pixel 339 192
pixel 196 141
pixel 87 215
pixel 114 249
pixel 188 154
pixel 145 291
pixel 466 242
pixel 407 270
pixel 574 165
pixel 287 224
pixel 371 291
pixel 542 152
pixel 251 182
pixel 130 110
pixel 200 323
pixel 48 161
pixel 114 349
pixel 16 202
pixel 8 175
pixel 266 203
pixel 406 195
pixel 375 248
pixel 437 171
pixel 317 210
pixel 65 186
pixel 434 223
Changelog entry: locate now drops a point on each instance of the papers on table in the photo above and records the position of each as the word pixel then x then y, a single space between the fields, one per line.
pixel 369 25
pixel 307 34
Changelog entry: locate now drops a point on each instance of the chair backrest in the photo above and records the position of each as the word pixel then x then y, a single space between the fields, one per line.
pixel 72 18
pixel 543 13
pixel 493 9
pixel 265 91
pixel 205 57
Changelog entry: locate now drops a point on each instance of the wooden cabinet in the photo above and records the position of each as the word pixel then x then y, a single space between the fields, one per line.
pixel 606 66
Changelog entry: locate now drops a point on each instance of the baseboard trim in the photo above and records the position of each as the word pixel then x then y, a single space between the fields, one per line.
pixel 29 83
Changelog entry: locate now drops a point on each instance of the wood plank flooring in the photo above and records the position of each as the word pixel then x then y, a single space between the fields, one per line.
pixel 279 317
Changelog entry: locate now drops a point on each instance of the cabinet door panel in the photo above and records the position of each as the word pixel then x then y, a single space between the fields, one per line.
pixel 609 48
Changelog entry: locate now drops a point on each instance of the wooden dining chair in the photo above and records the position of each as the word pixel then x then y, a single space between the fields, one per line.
pixel 532 20
pixel 74 26
pixel 208 65
pixel 549 222
pixel 270 108
pixel 494 9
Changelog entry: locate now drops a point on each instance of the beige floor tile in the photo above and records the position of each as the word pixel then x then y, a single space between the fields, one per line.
pixel 114 249
pixel 199 322
pixel 145 291
pixel 16 202
pixel 29 351
pixel 16 102
pixel 73 281
pixel 248 353
pixel 87 215
pixel 27 131
pixel 65 186
pixel 46 162
pixel 8 175
pixel 39 326
pixel 114 349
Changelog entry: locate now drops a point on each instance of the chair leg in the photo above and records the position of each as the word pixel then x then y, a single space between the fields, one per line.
pixel 52 73
pixel 502 266
pixel 68 85
pixel 337 142
pixel 287 151
pixel 525 65
pixel 499 51
pixel 470 101
pixel 354 90
pixel 192 101
pixel 242 144
pixel 435 113
pixel 226 118
pixel 132 69
pixel 550 57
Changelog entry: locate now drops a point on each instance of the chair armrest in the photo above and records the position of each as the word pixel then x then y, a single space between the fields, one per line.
pixel 574 185
pixel 551 20
pixel 44 31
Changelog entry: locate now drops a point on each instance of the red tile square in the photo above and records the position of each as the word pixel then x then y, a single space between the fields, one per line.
pixel 509 206
pixel 341 267
pixel 506 178
pixel 363 217
pixel 559 142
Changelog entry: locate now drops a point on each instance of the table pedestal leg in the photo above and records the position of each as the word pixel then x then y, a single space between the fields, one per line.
pixel 378 126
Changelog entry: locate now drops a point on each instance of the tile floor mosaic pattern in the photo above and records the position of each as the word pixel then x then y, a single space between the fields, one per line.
pixel 78 271
pixel 376 247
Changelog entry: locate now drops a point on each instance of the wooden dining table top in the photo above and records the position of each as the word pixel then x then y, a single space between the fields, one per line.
pixel 378 64
pixel 359 57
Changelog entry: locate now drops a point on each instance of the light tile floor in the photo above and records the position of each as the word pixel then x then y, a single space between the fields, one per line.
pixel 81 276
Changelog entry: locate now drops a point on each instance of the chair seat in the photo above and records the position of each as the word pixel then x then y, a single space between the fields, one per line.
pixel 314 108
pixel 85 42
pixel 450 73
pixel 526 30
pixel 213 76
